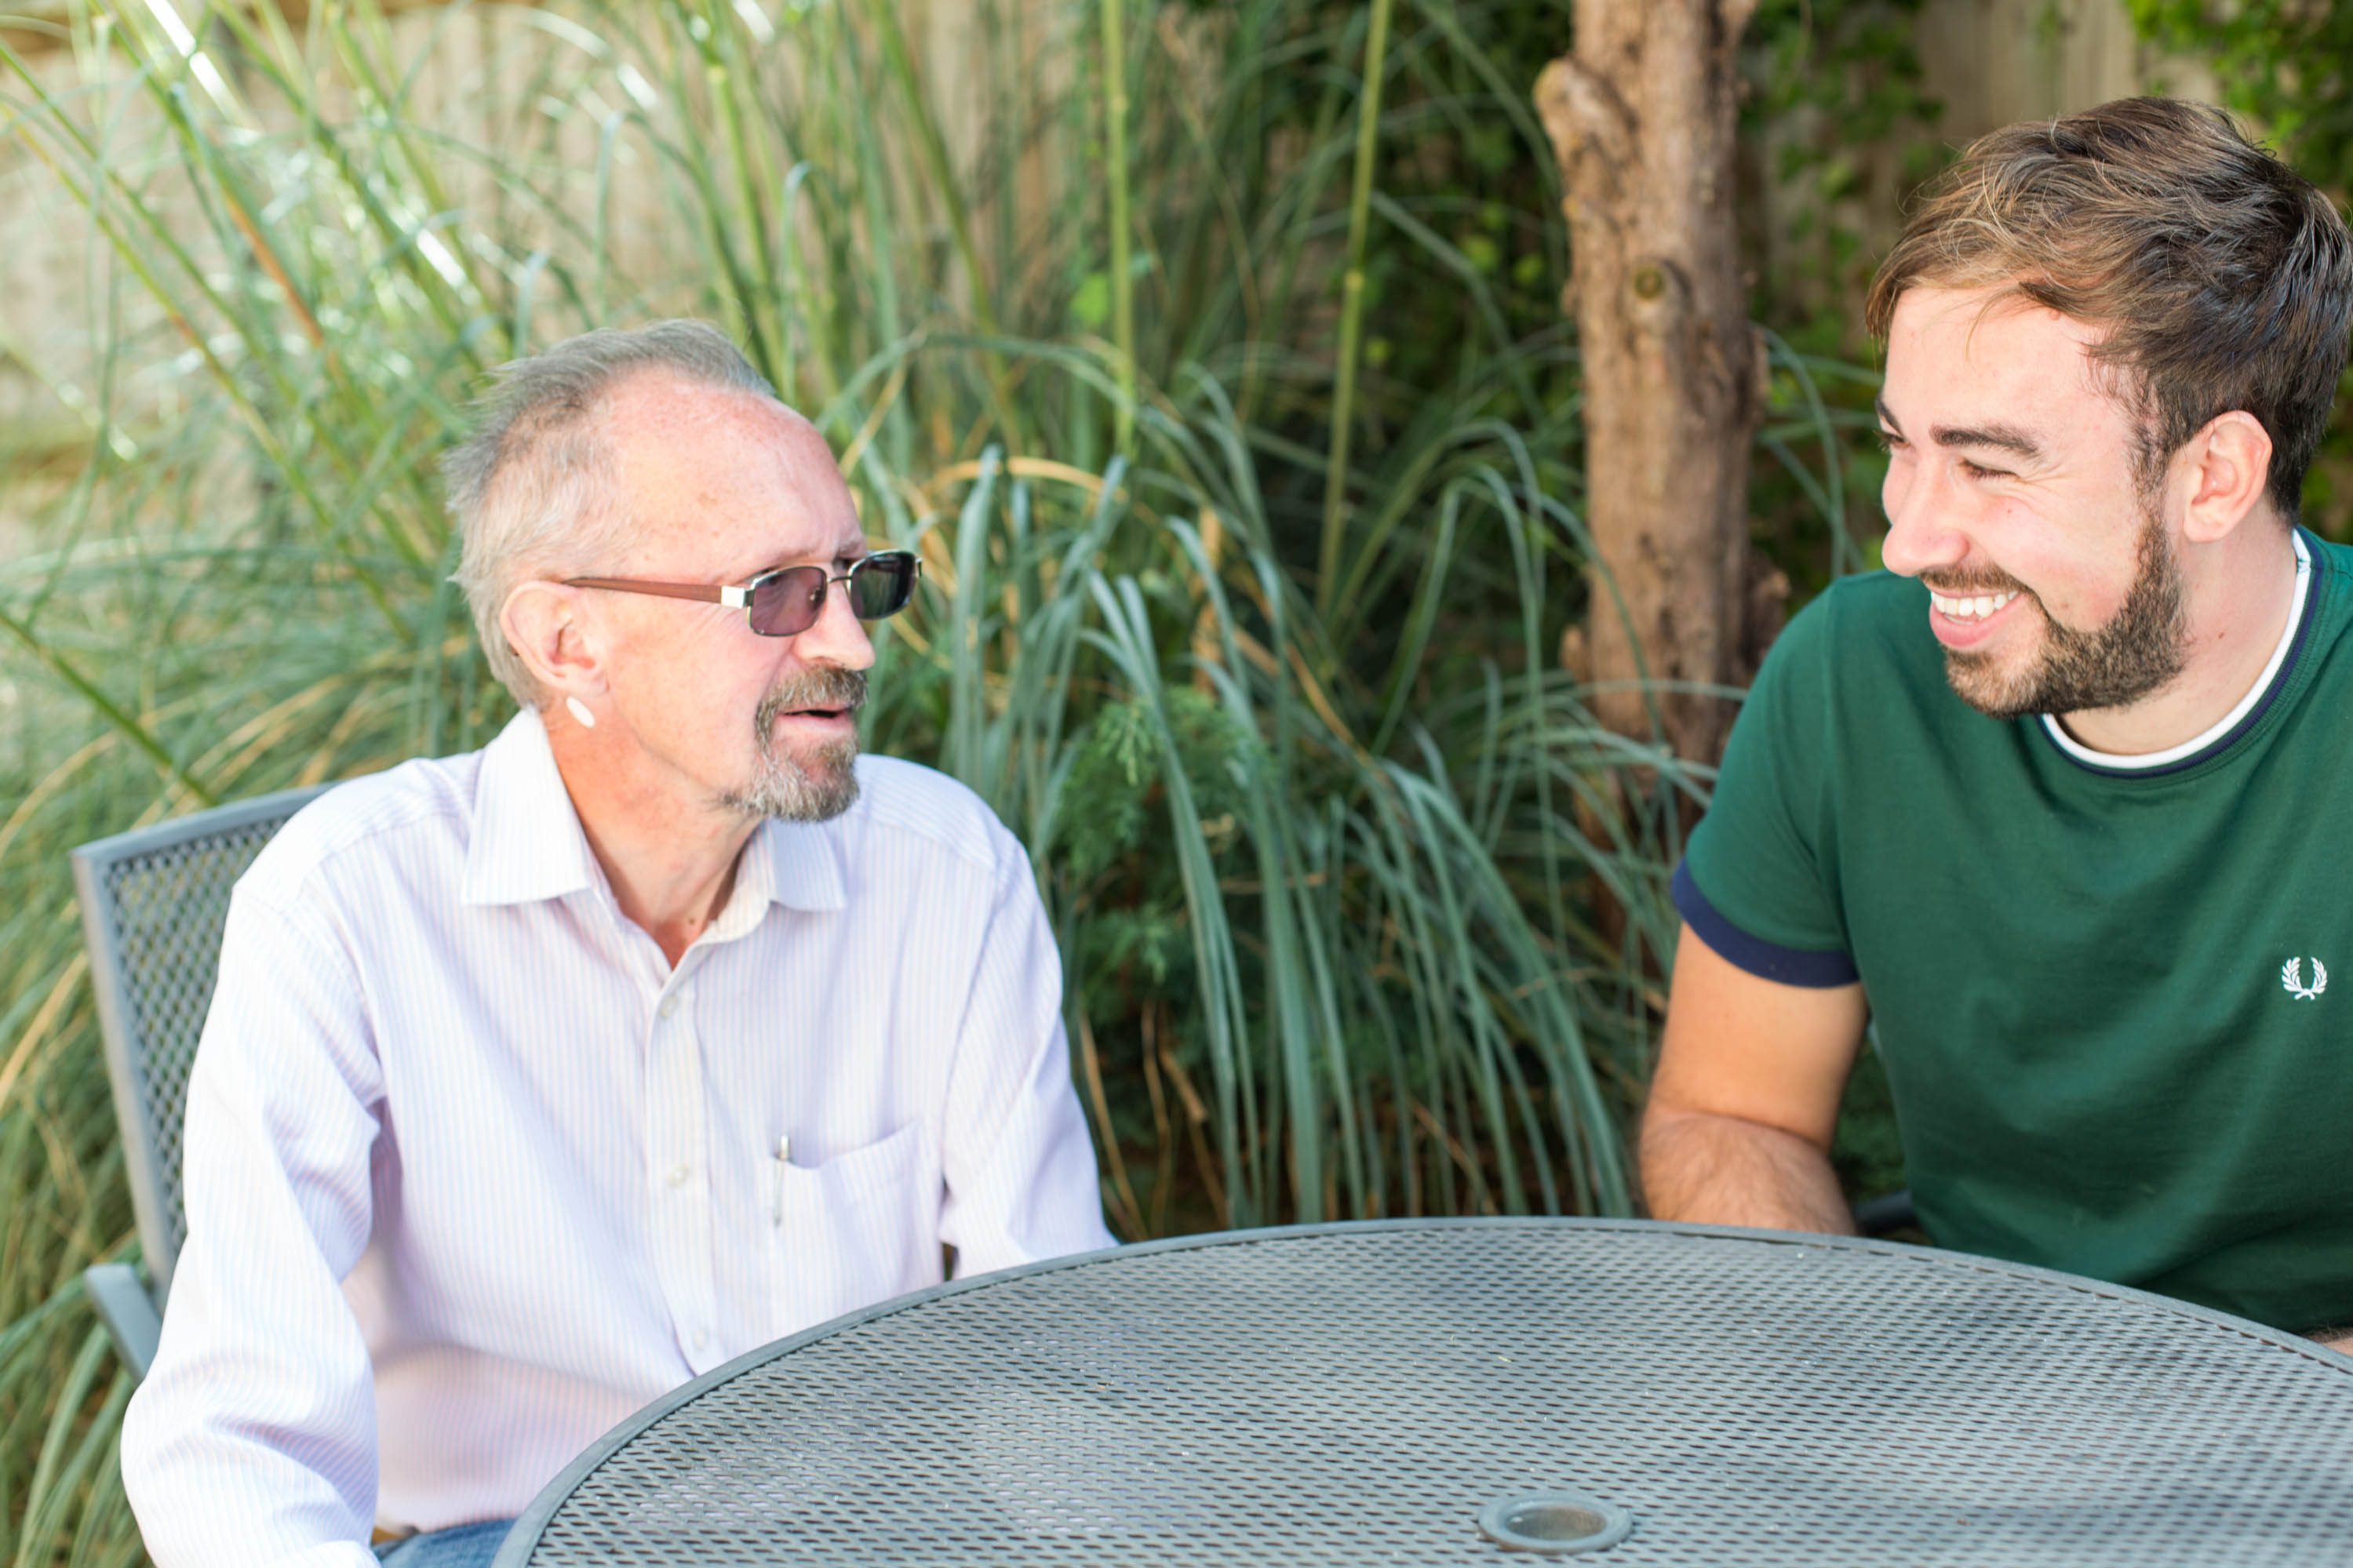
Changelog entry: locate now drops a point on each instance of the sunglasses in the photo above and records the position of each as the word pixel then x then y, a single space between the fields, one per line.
pixel 789 599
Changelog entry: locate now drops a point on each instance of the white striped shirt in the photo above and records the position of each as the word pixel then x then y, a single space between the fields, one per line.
pixel 472 1174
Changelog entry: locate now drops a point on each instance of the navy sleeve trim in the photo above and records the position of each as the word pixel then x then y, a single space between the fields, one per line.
pixel 1765 960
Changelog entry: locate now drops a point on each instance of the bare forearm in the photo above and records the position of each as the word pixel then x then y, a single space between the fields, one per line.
pixel 1721 1170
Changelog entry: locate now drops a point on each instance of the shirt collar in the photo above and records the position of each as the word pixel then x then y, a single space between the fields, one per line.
pixel 2226 732
pixel 796 864
pixel 528 844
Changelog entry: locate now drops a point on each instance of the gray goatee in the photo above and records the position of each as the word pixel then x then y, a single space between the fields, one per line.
pixel 813 783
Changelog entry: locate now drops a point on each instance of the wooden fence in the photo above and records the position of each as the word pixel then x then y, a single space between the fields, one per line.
pixel 1991 61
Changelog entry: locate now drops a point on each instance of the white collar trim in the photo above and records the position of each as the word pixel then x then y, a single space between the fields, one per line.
pixel 2229 721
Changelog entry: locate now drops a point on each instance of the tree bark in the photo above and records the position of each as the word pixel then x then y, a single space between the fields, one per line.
pixel 1642 116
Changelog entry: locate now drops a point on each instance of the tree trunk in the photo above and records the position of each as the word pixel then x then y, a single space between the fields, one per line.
pixel 1642 116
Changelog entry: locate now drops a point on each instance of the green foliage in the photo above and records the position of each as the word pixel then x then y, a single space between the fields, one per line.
pixel 1116 768
pixel 1136 941
pixel 1319 845
pixel 1867 1153
pixel 1472 198
pixel 1828 82
pixel 1242 617
pixel 2286 66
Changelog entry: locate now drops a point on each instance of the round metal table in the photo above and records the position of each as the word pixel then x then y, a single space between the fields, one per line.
pixel 1398 1392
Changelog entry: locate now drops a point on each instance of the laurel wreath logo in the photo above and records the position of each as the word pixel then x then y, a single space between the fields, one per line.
pixel 2292 979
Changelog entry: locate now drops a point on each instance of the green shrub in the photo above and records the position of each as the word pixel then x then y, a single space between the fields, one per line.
pixel 1318 820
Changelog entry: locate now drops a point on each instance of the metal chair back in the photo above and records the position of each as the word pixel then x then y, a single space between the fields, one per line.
pixel 153 904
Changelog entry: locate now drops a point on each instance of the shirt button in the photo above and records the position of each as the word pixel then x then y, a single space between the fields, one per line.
pixel 700 1339
pixel 678 1176
pixel 669 1009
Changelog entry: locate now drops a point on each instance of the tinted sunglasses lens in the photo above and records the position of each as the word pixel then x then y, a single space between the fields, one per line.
pixel 788 601
pixel 881 584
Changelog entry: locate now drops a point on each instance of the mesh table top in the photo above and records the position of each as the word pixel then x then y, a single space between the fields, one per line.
pixel 1363 1392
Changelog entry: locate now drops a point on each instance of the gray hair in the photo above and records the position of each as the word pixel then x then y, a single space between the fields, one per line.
pixel 533 491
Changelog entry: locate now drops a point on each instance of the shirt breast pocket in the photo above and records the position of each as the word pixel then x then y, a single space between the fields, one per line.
pixel 855 1229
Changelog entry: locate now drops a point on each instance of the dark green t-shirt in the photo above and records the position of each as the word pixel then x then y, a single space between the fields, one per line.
pixel 2115 1006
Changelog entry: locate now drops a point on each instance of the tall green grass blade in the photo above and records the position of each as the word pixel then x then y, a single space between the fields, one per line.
pixel 1352 305
pixel 1115 172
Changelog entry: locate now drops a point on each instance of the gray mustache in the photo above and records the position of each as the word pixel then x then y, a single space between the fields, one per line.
pixel 828 686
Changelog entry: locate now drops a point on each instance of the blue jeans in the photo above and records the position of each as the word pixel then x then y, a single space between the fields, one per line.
pixel 460 1546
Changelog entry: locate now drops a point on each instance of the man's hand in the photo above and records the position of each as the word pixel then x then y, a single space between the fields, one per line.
pixel 1738 1127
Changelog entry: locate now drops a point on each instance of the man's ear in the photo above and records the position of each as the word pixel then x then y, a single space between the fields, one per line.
pixel 545 626
pixel 2226 468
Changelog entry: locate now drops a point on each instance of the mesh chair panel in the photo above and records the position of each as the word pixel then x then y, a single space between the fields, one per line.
pixel 159 898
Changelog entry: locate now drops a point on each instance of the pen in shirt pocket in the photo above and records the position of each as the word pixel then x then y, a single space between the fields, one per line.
pixel 784 1156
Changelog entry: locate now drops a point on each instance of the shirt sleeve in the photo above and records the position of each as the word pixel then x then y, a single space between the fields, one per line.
pixel 1757 882
pixel 1019 1168
pixel 253 1439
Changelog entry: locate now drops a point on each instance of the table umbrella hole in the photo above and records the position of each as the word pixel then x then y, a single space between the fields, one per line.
pixel 1556 1524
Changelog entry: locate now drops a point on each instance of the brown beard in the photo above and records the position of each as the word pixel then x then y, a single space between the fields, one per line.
pixel 817 782
pixel 2141 648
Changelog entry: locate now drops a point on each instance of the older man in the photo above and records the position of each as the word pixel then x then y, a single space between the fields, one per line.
pixel 2058 797
pixel 541 1078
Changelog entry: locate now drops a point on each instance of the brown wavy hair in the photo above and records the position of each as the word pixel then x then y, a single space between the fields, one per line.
pixel 2223 278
